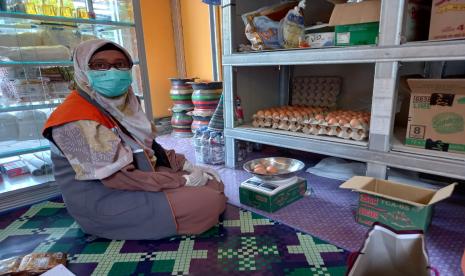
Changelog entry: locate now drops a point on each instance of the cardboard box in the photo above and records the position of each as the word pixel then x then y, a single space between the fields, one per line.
pixel 357 34
pixel 437 114
pixel 356 23
pixel 271 198
pixel 320 36
pixel 400 206
pixel 447 19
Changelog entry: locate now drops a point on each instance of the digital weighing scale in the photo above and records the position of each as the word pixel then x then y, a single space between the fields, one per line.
pixel 271 195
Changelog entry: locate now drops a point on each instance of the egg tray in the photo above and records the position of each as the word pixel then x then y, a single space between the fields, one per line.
pixel 278 117
pixel 315 91
pixel 317 122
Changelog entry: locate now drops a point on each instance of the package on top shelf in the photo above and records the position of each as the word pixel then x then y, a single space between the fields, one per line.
pixel 437 115
pixel 262 26
pixel 8 127
pixel 447 20
pixel 30 124
pixel 291 27
pixel 319 36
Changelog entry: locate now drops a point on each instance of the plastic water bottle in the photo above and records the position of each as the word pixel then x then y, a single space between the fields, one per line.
pixel 197 142
pixel 216 148
pixel 205 147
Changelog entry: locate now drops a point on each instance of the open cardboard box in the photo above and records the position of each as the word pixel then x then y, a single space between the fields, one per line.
pixel 355 23
pixel 358 23
pixel 400 206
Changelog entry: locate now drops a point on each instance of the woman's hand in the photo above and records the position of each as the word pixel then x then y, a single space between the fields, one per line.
pixel 196 178
pixel 189 167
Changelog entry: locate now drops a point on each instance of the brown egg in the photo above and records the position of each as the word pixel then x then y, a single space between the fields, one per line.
pixel 343 122
pixel 319 117
pixel 355 123
pixel 267 113
pixel 258 166
pixel 271 169
pixel 260 170
pixel 260 113
pixel 333 121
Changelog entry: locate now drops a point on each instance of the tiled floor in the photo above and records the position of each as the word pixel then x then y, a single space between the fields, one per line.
pixel 243 244
pixel 328 213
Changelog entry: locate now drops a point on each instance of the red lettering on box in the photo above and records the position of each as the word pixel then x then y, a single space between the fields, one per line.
pixel 368 199
pixel 368 213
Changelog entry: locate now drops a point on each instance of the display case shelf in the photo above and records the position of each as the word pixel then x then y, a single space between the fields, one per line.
pixel 36 63
pixel 414 51
pixel 59 19
pixel 29 106
pixel 14 148
pixel 42 63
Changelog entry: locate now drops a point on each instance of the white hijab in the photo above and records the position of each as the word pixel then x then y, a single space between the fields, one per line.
pixel 126 109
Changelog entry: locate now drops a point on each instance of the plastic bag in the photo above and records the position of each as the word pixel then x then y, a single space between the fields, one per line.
pixel 291 29
pixel 262 26
pixel 391 252
pixel 32 264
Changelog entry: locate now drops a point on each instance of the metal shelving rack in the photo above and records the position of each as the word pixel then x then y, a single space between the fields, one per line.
pixel 383 150
pixel 27 191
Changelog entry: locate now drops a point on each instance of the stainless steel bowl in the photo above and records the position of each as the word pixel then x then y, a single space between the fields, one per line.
pixel 287 167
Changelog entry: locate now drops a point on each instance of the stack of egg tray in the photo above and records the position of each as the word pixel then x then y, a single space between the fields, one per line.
pixel 315 121
pixel 315 91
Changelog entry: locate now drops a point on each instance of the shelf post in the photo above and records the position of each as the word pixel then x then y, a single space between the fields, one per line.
pixel 385 86
pixel 229 14
pixel 228 91
pixel 228 76
pixel 284 79
pixel 142 59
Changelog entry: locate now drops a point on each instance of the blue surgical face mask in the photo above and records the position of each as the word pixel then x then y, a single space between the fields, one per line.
pixel 110 83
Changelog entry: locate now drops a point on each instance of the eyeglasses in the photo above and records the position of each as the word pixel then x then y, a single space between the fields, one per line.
pixel 103 66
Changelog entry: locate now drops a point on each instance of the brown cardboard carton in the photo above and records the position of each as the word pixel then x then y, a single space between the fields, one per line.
pixel 354 13
pixel 447 19
pixel 400 206
pixel 437 114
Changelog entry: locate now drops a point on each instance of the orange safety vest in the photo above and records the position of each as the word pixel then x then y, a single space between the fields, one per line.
pixel 74 108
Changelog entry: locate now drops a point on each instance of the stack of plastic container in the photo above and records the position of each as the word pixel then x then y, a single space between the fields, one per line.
pixel 181 95
pixel 205 98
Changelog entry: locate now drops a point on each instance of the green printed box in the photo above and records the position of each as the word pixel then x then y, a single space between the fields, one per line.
pixel 400 206
pixel 357 34
pixel 269 197
pixel 437 115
